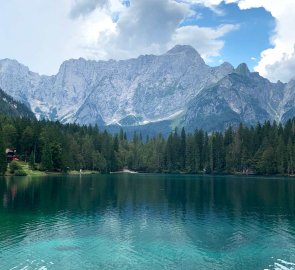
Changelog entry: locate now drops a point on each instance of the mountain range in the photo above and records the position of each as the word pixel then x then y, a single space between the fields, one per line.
pixel 150 93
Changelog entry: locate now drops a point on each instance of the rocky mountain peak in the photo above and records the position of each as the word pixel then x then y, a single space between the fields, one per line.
pixel 182 49
pixel 242 69
pixel 12 66
pixel 150 89
pixel 186 50
pixel 227 65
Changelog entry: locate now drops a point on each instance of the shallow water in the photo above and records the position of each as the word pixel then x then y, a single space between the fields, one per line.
pixel 147 222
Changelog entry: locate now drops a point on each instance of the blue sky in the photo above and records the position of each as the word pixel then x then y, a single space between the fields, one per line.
pixel 43 34
pixel 247 42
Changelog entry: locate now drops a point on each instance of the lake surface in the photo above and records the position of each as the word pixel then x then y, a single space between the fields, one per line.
pixel 147 222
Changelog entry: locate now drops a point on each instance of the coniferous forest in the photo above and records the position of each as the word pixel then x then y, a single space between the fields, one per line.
pixel 267 148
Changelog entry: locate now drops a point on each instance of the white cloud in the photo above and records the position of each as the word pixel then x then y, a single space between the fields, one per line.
pixel 42 34
pixel 147 26
pixel 152 26
pixel 276 63
pixel 37 33
pixel 282 69
pixel 84 7
pixel 206 40
pixel 212 4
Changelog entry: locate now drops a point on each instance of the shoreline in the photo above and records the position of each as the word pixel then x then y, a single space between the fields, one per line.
pixel 125 171
pixel 30 172
pixel 77 173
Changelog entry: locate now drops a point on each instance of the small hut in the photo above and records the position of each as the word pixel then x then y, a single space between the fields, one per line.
pixel 11 155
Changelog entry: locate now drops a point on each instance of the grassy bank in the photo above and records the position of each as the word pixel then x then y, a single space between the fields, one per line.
pixel 24 166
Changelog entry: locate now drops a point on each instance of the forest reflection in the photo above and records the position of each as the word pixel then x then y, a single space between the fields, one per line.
pixel 181 194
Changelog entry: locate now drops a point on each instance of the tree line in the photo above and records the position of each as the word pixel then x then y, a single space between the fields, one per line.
pixel 267 148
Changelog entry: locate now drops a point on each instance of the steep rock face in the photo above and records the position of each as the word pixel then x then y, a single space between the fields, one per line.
pixel 160 92
pixel 239 97
pixel 286 107
pixel 150 88
pixel 17 80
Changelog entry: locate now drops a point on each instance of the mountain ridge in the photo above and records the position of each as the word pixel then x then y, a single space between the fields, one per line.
pixel 177 86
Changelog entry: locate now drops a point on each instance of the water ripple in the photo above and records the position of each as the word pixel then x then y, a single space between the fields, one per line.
pixel 33 264
pixel 157 224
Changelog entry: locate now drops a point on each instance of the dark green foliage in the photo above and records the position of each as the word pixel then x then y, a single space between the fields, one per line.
pixel 3 161
pixel 263 149
pixel 16 169
pixel 9 135
pixel 32 161
pixel 14 166
pixel 56 156
pixel 12 108
pixel 46 160
pixel 20 172
pixel 182 150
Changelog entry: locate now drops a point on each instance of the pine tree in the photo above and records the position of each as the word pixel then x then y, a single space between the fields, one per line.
pixel 31 161
pixel 116 143
pixel 190 153
pixel 46 160
pixel 267 164
pixel 169 153
pixel 290 157
pixel 182 150
pixel 56 156
pixel 281 156
pixel 3 160
pixel 9 134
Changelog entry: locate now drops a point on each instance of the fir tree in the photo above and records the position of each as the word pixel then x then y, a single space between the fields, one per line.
pixel 3 160
pixel 46 160
pixel 182 150
pixel 31 161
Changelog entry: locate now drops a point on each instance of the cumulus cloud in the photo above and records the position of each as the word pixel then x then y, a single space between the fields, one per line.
pixel 84 7
pixel 37 33
pixel 149 22
pixel 283 70
pixel 277 62
pixel 206 40
pixel 145 27
pixel 99 29
pixel 153 27
pixel 212 4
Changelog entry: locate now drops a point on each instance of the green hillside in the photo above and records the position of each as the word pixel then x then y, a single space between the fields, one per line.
pixel 10 107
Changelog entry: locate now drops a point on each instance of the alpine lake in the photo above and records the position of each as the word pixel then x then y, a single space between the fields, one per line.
pixel 146 221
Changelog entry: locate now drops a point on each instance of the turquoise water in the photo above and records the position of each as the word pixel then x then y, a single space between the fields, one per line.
pixel 147 222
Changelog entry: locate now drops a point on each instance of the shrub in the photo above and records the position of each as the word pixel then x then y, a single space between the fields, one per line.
pixel 20 172
pixel 14 166
pixel 16 169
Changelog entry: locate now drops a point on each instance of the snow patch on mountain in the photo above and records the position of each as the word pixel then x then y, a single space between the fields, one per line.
pixel 147 90
pixel 149 87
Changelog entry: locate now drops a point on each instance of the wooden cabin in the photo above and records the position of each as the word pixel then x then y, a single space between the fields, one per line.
pixel 11 155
